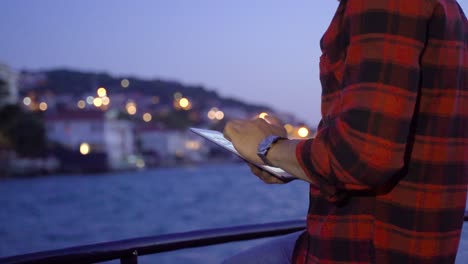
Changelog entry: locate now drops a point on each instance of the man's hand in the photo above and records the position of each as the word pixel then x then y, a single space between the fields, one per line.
pixel 245 135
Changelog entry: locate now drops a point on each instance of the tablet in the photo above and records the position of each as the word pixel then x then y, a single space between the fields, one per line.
pixel 219 139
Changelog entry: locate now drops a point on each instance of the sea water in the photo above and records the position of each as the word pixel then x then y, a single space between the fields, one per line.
pixel 61 211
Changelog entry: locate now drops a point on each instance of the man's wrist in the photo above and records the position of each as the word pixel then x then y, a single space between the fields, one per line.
pixel 278 152
pixel 283 155
pixel 282 152
pixel 264 147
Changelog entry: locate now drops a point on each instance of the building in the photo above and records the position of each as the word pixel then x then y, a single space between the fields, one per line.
pixel 8 85
pixel 170 146
pixel 94 134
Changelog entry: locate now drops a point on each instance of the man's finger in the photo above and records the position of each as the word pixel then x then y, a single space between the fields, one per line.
pixel 264 175
pixel 255 169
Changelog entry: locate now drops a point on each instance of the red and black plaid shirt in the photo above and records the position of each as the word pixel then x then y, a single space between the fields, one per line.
pixel 391 153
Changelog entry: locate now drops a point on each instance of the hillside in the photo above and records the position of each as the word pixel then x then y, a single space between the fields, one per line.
pixel 76 83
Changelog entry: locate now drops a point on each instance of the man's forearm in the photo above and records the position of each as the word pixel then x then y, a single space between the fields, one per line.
pixel 283 155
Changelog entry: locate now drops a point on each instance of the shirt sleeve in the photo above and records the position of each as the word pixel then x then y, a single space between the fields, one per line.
pixel 363 147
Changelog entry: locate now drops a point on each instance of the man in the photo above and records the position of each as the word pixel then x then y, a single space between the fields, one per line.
pixel 388 168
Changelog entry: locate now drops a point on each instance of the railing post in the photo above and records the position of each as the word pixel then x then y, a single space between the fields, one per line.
pixel 132 259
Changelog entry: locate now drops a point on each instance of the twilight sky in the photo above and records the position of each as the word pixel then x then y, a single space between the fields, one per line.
pixel 260 51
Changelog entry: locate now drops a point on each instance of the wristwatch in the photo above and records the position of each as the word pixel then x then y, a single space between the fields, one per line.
pixel 265 146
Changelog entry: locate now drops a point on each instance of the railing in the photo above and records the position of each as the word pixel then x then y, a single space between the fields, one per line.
pixel 129 250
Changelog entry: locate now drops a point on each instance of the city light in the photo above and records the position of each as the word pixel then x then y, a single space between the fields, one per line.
pixel 219 115
pixel 147 117
pixel 81 104
pixel 85 148
pixel 90 100
pixel 97 102
pixel 27 101
pixel 125 83
pixel 131 108
pixel 184 102
pixel 105 100
pixel 43 106
pixel 101 92
pixel 215 113
pixel 303 132
pixel 192 145
pixel 212 113
pixel 262 115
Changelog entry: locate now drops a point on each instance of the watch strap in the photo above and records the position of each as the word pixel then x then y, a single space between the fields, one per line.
pixel 264 154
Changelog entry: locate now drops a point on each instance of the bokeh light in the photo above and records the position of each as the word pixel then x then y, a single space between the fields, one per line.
pixel 125 83
pixel 81 104
pixel 85 148
pixel 105 100
pixel 43 106
pixel 303 132
pixel 101 92
pixel 147 117
pixel 212 113
pixel 97 102
pixel 131 108
pixel 89 100
pixel 219 115
pixel 184 102
pixel 27 101
pixel 192 145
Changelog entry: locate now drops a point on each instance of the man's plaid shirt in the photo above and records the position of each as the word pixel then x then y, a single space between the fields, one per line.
pixel 391 154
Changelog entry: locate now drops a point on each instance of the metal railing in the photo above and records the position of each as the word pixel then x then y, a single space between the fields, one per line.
pixel 128 250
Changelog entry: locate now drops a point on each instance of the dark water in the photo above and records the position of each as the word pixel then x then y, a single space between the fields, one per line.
pixel 62 211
